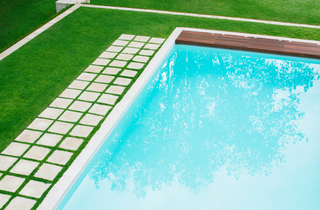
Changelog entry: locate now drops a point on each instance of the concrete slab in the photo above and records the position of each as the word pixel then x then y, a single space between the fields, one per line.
pixel 117 63
pixel 34 189
pixel 100 109
pixel 71 143
pixel 94 69
pixel 98 87
pixel 89 96
pixel 120 43
pixel 60 157
pixel 130 50
pixel 15 149
pixel 78 84
pixel 114 49
pixel 28 136
pixel 142 59
pixel 147 52
pixel 136 44
pixel 60 127
pixel 125 57
pixel 61 103
pixel 48 171
pixel 126 37
pixel 24 167
pixel 11 183
pixel 51 113
pixel 4 199
pixel 6 162
pixel 20 203
pixel 111 70
pixel 156 40
pixel 152 46
pixel 37 153
pixel 108 55
pixel 101 61
pixel 86 76
pixel 129 73
pixel 122 81
pixel 142 38
pixel 70 93
pixel 108 99
pixel 81 131
pixel 115 89
pixel 90 119
pixel 49 139
pixel 104 79
pixel 40 124
pixel 134 65
pixel 70 116
pixel 80 106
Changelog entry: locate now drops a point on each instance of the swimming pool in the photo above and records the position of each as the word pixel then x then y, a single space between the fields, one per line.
pixel 214 128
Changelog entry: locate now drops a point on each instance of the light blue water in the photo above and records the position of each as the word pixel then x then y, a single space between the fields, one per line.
pixel 214 129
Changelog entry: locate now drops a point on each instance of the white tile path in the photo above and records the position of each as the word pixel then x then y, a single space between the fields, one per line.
pixel 30 164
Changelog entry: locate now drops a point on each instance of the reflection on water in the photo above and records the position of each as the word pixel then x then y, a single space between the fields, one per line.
pixel 207 112
pixel 204 111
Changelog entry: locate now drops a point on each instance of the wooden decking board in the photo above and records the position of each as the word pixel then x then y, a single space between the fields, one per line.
pixel 250 43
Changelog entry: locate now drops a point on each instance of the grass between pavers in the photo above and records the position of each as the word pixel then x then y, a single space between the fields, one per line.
pixel 297 11
pixel 33 76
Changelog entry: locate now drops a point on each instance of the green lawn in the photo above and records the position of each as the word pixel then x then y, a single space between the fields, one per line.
pixel 297 11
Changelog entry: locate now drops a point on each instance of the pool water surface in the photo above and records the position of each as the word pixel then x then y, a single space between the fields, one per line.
pixel 213 129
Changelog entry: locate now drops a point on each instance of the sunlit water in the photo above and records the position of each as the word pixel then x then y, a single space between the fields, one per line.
pixel 214 129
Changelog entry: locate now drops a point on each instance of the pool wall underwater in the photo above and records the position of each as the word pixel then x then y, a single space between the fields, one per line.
pixel 60 189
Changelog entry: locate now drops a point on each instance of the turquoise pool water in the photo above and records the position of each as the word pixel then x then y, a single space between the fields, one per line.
pixel 214 129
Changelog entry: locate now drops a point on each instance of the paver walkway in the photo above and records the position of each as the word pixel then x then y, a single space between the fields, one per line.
pixel 37 158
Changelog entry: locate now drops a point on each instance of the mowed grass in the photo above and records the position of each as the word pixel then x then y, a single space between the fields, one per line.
pixel 18 18
pixel 297 11
pixel 33 76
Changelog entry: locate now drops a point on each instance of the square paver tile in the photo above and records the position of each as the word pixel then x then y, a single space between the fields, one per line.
pixel 34 189
pixel 108 55
pixel 156 40
pixel 136 44
pixel 104 79
pixel 70 93
pixel 37 153
pixel 70 116
pixel 4 199
pixel 134 65
pixel 142 38
pixel 24 167
pixel 108 99
pixel 94 69
pixel 101 61
pixel 49 139
pixel 40 124
pixel 98 87
pixel 81 131
pixel 142 59
pixel 80 106
pixel 48 171
pixel 115 89
pixel 129 73
pixel 117 63
pixel 111 70
pixel 20 203
pixel 130 50
pixel 78 84
pixel 126 37
pixel 6 162
pixel 89 96
pixel 124 57
pixel 15 149
pixel 29 136
pixel 146 52
pixel 71 143
pixel 100 109
pixel 60 127
pixel 114 49
pixel 61 103
pixel 90 119
pixel 152 46
pixel 86 76
pixel 122 81
pixel 60 157
pixel 11 183
pixel 51 113
pixel 120 43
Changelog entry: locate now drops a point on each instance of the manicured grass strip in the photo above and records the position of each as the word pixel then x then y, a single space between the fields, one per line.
pixel 297 11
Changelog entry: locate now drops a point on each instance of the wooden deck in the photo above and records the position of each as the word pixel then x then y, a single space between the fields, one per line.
pixel 250 43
